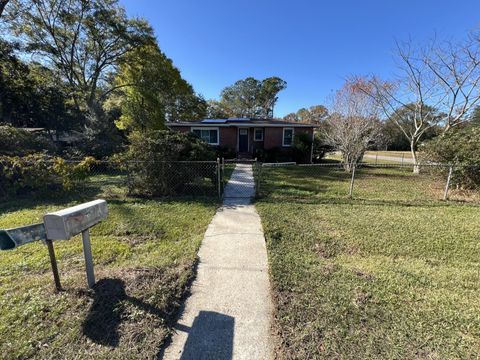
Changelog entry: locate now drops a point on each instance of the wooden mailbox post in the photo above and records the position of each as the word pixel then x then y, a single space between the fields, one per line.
pixel 61 225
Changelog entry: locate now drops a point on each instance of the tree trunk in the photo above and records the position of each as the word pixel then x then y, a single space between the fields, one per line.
pixel 413 150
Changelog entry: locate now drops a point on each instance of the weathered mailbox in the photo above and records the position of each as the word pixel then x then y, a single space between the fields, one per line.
pixel 60 225
pixel 66 223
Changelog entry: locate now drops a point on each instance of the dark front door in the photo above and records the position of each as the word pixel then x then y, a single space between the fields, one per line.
pixel 243 140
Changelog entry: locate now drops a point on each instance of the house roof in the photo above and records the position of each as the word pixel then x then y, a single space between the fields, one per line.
pixel 244 122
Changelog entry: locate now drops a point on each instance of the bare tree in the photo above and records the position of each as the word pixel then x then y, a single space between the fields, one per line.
pixel 404 100
pixel 455 70
pixel 436 85
pixel 353 124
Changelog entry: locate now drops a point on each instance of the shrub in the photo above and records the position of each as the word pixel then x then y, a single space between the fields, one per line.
pixel 38 173
pixel 320 148
pixel 19 142
pixel 274 154
pixel 153 163
pixel 72 173
pixel 302 144
pixel 460 148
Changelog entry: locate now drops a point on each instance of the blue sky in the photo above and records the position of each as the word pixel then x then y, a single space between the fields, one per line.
pixel 313 45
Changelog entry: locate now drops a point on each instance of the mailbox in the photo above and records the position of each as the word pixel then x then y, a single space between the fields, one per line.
pixel 60 225
pixel 66 223
pixel 12 238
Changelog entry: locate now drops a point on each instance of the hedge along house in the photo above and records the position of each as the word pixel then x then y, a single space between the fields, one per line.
pixel 250 138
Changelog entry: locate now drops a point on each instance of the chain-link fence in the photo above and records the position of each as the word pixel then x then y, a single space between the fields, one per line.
pixel 377 182
pixel 57 178
pixel 234 178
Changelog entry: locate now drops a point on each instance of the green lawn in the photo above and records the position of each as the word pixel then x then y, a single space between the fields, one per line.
pixel 392 274
pixel 144 255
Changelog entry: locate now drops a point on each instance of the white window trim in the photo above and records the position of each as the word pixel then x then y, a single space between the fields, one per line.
pixel 209 128
pixel 254 132
pixel 283 137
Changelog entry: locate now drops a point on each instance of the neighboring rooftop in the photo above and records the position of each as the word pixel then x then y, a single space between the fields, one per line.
pixel 241 122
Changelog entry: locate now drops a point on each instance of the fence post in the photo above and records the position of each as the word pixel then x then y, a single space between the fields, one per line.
pixel 403 156
pixel 449 178
pixel 259 173
pixel 219 179
pixel 350 193
pixel 53 263
pixel 376 159
pixel 87 252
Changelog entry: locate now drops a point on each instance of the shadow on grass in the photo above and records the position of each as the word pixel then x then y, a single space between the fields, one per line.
pixel 105 315
pixel 311 200
pixel 62 199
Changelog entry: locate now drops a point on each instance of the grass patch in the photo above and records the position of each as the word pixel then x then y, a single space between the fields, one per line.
pixel 144 255
pixel 393 273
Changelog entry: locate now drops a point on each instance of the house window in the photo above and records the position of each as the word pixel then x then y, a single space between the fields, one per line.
pixel 287 137
pixel 208 135
pixel 258 135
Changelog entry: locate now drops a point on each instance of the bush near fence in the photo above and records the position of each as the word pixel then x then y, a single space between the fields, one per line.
pixel 39 173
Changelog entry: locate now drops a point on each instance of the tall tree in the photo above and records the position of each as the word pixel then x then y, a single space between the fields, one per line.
pixel 152 91
pixel 31 95
pixel 313 115
pixel 252 98
pixel 216 110
pixel 84 41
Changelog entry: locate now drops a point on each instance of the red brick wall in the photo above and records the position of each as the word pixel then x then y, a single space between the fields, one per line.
pixel 272 138
pixel 228 137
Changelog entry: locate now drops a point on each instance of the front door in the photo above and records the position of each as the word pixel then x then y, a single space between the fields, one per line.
pixel 243 140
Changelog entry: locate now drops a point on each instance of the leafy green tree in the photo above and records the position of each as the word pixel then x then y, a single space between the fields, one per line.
pixel 31 95
pixel 84 41
pixel 415 121
pixel 152 92
pixel 216 110
pixel 54 109
pixel 252 98
pixel 15 88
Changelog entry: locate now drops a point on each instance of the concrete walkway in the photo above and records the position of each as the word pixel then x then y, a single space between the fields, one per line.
pixel 228 313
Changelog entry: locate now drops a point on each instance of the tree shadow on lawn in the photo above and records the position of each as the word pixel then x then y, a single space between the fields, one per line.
pixel 106 313
pixel 62 199
pixel 311 200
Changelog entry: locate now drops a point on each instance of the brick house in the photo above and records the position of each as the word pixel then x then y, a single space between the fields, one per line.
pixel 248 137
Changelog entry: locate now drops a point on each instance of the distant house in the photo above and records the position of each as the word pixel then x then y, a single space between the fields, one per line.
pixel 247 137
